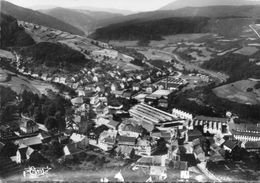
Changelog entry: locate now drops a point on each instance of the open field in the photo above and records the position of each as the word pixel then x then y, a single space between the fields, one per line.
pixel 6 54
pixel 21 83
pixel 152 54
pixel 123 43
pixel 174 39
pixel 126 66
pixel 166 42
pixel 44 34
pixel 237 92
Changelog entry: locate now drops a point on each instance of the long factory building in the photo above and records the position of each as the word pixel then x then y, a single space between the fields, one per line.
pixel 150 116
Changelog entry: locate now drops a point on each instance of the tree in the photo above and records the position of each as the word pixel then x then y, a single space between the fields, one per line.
pixel 53 151
pixel 38 116
pixel 51 123
pixel 143 42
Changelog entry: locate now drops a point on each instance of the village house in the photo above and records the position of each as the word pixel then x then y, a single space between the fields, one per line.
pixel 44 77
pixel 100 88
pixel 35 75
pixel 140 97
pixel 78 101
pixel 130 130
pixel 23 153
pixel 126 151
pixel 126 141
pixel 114 87
pixel 56 80
pixel 193 135
pixel 63 80
pixel 145 147
pixel 149 161
pixel 230 145
pixel 136 87
pixel 33 142
pixel 75 85
pixel 71 149
pixel 44 136
pixel 164 95
pixel 106 140
pixel 150 89
pixel 199 153
pixel 80 92
pixel 28 126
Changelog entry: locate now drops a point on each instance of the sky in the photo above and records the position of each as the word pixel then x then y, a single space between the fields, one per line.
pixel 133 5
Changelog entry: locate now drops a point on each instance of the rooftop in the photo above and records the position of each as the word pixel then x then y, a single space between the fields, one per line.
pixel 150 114
pixel 30 141
pixel 124 139
pixel 160 93
pixel 213 119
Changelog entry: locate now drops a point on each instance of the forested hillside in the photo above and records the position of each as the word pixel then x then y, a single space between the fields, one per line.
pixel 36 17
pixel 12 34
pixel 236 66
pixel 53 55
pixel 151 30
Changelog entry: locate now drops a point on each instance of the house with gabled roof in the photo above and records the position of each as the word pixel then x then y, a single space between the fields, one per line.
pixel 145 147
pixel 230 145
pixel 130 130
pixel 63 80
pixel 28 126
pixel 126 141
pixel 112 124
pixel 22 154
pixel 192 135
pixel 149 161
pixel 56 80
pixel 78 101
pixel 44 76
pixel 33 142
pixel 126 151
pixel 71 149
